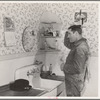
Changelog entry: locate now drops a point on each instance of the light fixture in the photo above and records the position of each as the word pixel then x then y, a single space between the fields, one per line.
pixel 80 16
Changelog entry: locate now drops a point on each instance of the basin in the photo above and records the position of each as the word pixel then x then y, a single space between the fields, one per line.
pixel 46 84
pixel 48 87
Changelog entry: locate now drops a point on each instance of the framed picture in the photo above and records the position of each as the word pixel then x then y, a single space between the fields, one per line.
pixel 9 32
pixel 8 24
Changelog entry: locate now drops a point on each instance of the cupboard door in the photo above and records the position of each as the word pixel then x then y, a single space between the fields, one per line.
pixel 61 89
pixel 52 93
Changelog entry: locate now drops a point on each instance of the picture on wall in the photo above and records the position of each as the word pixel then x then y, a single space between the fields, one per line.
pixel 9 32
pixel 8 24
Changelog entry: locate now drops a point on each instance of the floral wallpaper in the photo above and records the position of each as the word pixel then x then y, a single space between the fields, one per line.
pixel 29 14
pixel 23 15
pixel 65 12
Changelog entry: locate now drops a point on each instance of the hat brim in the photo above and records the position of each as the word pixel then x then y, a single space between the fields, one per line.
pixel 21 89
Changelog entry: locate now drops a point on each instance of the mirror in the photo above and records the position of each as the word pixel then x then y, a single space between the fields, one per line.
pixel 28 39
pixel 50 24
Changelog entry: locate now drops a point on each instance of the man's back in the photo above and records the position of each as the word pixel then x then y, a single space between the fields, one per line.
pixel 75 62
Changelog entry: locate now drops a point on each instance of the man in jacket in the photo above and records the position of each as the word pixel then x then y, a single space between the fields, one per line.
pixel 75 68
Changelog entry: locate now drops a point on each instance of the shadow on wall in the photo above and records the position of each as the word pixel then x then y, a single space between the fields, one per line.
pixel 92 86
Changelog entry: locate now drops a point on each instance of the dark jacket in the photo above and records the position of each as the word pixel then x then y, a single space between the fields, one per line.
pixel 76 60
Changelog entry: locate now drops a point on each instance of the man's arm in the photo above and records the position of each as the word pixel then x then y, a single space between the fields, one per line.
pixel 67 42
pixel 78 63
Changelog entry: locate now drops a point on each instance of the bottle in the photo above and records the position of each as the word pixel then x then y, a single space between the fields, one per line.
pixel 45 43
pixel 54 34
pixel 43 69
pixel 50 68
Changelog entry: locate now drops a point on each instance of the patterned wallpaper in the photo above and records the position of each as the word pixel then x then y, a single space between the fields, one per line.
pixel 23 15
pixel 66 13
pixel 28 14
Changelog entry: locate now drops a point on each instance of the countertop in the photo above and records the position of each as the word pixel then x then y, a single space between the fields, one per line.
pixel 5 91
pixel 53 77
pixel 46 86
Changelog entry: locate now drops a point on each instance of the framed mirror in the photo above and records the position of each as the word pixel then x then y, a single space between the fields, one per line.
pixel 28 39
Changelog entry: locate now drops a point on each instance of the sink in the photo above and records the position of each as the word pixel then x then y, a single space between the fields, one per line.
pixel 46 87
pixel 46 84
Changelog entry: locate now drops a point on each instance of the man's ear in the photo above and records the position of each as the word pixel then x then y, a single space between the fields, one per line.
pixel 76 33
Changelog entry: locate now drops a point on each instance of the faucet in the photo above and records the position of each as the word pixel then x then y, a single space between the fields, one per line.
pixel 33 71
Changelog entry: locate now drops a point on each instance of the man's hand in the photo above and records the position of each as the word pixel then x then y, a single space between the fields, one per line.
pixel 62 66
pixel 62 63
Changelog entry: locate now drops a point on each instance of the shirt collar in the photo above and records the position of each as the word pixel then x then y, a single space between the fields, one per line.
pixel 79 41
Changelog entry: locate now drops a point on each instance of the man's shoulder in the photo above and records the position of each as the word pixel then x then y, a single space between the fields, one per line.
pixel 83 47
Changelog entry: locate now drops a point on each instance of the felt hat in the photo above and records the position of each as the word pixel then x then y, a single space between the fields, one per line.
pixel 20 85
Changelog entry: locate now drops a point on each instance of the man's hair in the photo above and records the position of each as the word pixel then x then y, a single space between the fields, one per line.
pixel 76 28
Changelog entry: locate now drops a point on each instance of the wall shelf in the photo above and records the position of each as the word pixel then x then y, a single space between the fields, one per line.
pixel 56 50
pixel 49 33
pixel 50 36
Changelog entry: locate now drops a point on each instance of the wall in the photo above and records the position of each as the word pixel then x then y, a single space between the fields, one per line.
pixel 23 15
pixel 8 67
pixel 92 89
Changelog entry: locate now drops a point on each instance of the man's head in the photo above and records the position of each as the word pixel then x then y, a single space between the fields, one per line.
pixel 74 33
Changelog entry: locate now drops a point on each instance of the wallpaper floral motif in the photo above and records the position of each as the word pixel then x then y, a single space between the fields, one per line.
pixel 29 14
pixel 66 11
pixel 23 15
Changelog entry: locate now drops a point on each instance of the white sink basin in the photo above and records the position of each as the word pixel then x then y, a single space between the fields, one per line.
pixel 49 87
pixel 46 84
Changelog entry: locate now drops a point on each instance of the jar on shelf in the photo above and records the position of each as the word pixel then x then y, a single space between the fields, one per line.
pixel 50 69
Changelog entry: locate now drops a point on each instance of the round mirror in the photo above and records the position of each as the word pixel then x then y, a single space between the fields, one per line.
pixel 28 39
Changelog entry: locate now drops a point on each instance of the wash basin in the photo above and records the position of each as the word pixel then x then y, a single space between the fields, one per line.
pixel 49 87
pixel 46 84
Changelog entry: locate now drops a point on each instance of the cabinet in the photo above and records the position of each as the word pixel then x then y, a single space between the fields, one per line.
pixel 51 93
pixel 49 35
pixel 61 90
pixel 58 91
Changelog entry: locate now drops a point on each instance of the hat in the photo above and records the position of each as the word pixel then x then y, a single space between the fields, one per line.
pixel 20 85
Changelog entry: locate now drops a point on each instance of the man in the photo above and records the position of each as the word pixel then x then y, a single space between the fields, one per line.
pixel 75 68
